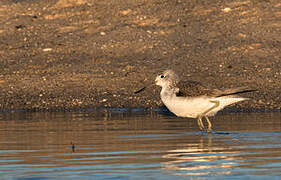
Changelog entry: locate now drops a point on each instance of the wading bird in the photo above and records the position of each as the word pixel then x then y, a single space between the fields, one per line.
pixel 192 99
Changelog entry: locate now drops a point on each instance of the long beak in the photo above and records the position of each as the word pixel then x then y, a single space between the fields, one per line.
pixel 141 89
pixel 145 86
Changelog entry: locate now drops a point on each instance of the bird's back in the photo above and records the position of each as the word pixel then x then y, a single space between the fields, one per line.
pixel 194 88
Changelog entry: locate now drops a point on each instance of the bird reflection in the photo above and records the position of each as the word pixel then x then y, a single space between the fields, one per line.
pixel 199 158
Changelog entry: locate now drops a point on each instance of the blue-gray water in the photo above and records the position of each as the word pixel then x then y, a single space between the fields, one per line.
pixel 138 145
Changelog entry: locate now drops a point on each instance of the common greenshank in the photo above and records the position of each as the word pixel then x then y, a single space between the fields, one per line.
pixel 192 99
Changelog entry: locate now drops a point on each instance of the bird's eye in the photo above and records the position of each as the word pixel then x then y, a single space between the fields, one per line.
pixel 162 76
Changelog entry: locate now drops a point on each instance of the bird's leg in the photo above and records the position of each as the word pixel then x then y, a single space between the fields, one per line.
pixel 209 124
pixel 217 103
pixel 200 123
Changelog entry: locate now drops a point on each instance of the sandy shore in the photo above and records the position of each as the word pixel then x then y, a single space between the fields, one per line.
pixel 86 53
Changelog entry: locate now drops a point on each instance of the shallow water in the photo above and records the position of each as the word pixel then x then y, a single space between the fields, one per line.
pixel 138 145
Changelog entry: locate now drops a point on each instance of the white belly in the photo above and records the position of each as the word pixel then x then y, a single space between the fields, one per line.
pixel 186 107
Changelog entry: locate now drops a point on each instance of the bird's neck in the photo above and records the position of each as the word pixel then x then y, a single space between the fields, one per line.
pixel 168 92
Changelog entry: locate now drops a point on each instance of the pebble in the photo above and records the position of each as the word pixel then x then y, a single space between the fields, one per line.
pixel 226 10
pixel 125 12
pixel 47 49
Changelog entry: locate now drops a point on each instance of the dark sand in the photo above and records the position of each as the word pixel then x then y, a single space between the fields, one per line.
pixel 64 54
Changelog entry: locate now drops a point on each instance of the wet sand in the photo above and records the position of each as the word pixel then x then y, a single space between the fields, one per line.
pixel 65 54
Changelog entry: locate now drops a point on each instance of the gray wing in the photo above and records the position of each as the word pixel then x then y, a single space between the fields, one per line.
pixel 193 88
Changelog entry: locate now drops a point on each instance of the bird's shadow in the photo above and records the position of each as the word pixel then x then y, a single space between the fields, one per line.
pixel 221 133
pixel 212 133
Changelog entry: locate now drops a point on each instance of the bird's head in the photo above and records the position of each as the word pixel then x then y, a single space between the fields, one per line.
pixel 167 79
